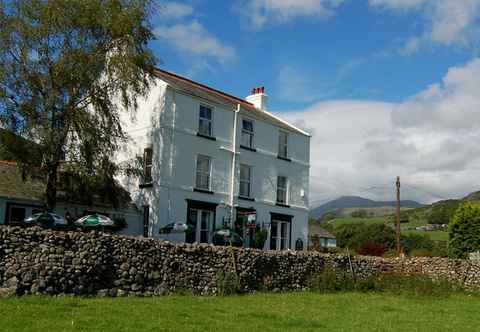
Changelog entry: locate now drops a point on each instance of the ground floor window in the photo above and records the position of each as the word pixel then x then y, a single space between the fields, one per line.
pixel 245 226
pixel 280 231
pixel 201 222
pixel 16 213
pixel 279 236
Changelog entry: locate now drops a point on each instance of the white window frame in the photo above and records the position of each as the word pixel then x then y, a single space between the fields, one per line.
pixel 251 134
pixel 209 172
pixel 147 165
pixel 249 181
pixel 282 146
pixel 210 121
pixel 198 225
pixel 277 237
pixel 285 202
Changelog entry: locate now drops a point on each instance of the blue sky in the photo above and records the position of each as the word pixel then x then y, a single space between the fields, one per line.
pixel 322 60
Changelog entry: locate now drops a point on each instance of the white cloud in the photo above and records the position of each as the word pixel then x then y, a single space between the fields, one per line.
pixel 430 140
pixel 259 12
pixel 397 4
pixel 195 40
pixel 174 10
pixel 447 22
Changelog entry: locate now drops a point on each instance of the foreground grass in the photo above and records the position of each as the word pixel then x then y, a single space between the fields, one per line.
pixel 262 312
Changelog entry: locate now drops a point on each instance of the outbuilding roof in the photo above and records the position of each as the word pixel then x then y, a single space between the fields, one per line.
pixel 12 185
pixel 320 232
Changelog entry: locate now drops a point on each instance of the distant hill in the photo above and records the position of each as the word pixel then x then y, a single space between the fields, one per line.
pixel 440 212
pixel 356 202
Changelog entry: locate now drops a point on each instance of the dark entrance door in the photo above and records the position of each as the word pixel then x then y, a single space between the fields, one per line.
pixel 146 219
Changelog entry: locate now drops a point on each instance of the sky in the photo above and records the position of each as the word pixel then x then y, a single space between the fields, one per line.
pixel 386 87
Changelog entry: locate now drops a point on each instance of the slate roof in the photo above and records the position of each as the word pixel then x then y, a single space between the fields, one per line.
pixel 321 232
pixel 208 93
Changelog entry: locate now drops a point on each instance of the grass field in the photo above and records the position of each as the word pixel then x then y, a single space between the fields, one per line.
pixel 435 235
pixel 349 220
pixel 261 312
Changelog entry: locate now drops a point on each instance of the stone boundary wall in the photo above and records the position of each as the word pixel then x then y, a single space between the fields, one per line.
pixel 36 261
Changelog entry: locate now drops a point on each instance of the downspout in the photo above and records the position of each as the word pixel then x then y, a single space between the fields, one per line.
pixel 234 155
pixel 172 146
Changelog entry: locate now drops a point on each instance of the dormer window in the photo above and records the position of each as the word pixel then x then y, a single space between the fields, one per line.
pixel 247 133
pixel 205 121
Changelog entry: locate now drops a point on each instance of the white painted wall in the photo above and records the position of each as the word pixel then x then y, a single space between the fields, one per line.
pixel 168 119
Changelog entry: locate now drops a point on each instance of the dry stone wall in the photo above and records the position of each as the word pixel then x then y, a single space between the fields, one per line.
pixel 36 261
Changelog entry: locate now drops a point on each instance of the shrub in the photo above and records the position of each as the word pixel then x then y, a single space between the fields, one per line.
pixel 228 283
pixel 334 280
pixel 421 253
pixel 359 214
pixel 440 249
pixel 355 236
pixel 465 230
pixel 412 242
pixel 260 238
pixel 369 248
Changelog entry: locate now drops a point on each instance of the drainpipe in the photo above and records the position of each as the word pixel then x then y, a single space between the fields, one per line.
pixel 234 155
pixel 172 147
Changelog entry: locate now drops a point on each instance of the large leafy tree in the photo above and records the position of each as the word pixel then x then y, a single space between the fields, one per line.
pixel 68 68
pixel 464 230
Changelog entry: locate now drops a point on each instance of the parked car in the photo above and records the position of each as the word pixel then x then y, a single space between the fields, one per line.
pixel 46 219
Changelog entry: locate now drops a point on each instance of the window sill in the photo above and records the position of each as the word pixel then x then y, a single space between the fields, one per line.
pixel 146 185
pixel 207 137
pixel 246 198
pixel 282 205
pixel 203 191
pixel 284 158
pixel 248 148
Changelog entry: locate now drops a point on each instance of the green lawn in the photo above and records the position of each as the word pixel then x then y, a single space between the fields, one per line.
pixel 263 312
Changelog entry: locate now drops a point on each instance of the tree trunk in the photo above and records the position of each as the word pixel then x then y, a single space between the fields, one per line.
pixel 51 191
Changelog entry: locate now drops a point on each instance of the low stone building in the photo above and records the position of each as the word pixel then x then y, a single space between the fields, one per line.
pixel 320 237
pixel 20 198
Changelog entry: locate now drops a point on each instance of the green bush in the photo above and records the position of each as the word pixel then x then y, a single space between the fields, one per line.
pixel 359 214
pixel 415 242
pixel 464 230
pixel 260 238
pixel 331 280
pixel 354 236
pixel 228 283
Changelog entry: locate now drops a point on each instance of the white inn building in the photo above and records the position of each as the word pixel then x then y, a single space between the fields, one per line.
pixel 213 160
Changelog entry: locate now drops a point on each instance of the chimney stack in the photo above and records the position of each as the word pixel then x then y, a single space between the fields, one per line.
pixel 258 98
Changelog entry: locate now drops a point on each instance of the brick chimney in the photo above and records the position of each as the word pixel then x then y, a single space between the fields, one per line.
pixel 258 98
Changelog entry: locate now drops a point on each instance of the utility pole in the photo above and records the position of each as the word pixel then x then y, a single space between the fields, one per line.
pixel 397 221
